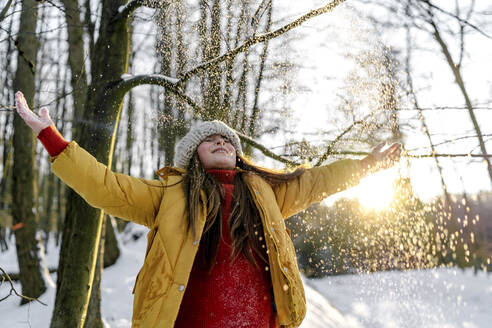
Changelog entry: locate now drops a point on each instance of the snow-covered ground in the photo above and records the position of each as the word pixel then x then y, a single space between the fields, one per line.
pixel 440 298
pixel 444 298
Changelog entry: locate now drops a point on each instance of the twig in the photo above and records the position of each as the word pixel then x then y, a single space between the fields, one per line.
pixel 461 20
pixel 12 289
pixel 330 146
pixel 442 108
pixel 449 155
pixel 360 153
pixel 451 141
pixel 5 9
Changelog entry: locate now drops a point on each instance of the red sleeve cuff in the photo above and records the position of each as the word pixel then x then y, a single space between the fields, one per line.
pixel 52 140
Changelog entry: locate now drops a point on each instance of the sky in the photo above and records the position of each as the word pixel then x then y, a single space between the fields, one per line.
pixel 322 48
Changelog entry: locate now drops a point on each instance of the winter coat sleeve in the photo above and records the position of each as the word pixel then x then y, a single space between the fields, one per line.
pixel 315 184
pixel 120 195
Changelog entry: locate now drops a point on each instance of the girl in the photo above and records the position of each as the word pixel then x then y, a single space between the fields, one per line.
pixel 218 253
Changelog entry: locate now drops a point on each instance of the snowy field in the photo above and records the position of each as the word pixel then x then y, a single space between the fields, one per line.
pixel 443 298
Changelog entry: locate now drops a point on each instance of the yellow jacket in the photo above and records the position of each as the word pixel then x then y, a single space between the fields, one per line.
pixel 161 206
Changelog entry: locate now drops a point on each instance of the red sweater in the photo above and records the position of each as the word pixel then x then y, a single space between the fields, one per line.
pixel 52 140
pixel 235 294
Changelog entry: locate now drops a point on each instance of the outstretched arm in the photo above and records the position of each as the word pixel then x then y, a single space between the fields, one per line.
pixel 120 195
pixel 317 183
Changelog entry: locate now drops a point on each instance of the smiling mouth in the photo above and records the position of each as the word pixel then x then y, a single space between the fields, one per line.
pixel 221 150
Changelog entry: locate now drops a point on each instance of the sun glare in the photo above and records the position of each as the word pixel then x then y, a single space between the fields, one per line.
pixel 376 191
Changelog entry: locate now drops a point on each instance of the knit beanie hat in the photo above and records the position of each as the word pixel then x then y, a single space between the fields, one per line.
pixel 198 132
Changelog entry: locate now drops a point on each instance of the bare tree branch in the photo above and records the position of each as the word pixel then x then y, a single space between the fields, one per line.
pixel 169 83
pixel 259 38
pixel 451 141
pixel 364 153
pixel 442 108
pixel 7 108
pixel 5 9
pixel 12 289
pixel 461 20
pixel 448 155
pixel 265 150
pixel 127 83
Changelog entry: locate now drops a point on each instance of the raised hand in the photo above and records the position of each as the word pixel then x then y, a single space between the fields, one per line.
pixel 35 122
pixel 387 158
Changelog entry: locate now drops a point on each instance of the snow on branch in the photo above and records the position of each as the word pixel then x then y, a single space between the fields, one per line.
pixel 126 10
pixel 260 38
pixel 128 82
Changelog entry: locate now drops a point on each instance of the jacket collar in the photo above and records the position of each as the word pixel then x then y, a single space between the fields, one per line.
pixel 167 171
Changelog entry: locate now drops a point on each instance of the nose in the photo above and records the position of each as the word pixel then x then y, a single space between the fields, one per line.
pixel 220 141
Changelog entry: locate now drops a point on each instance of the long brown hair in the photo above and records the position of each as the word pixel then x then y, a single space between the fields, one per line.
pixel 245 224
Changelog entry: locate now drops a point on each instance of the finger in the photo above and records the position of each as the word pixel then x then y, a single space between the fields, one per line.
pixel 45 116
pixel 20 109
pixel 379 147
pixel 44 113
pixel 23 109
pixel 25 112
pixel 397 152
pixel 18 96
pixel 21 103
pixel 396 147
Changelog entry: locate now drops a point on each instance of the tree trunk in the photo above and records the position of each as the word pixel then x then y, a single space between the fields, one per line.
pixel 78 81
pixel 7 132
pixel 6 162
pixel 212 93
pixel 93 318
pixel 76 54
pixel 60 189
pixel 255 112
pixel 83 224
pixel 172 63
pixel 24 184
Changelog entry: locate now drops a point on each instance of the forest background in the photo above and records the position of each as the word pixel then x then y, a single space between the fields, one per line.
pixel 313 81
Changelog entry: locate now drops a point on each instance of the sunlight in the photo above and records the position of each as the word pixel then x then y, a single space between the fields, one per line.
pixel 376 191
